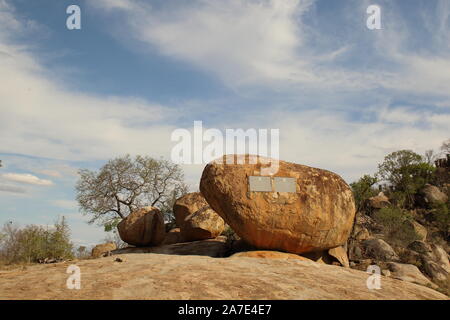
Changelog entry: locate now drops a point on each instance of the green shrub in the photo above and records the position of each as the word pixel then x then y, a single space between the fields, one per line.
pixel 441 216
pixel 407 172
pixel 363 190
pixel 394 228
pixel 34 243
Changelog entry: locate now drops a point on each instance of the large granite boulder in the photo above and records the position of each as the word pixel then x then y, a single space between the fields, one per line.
pixel 202 224
pixel 317 216
pixel 144 227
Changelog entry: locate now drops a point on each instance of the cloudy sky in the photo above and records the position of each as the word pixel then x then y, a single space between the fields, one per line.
pixel 342 96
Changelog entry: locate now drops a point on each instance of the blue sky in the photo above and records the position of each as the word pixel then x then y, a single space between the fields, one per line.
pixel 343 96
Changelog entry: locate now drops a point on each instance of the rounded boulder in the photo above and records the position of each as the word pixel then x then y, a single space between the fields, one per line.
pixel 143 227
pixel 317 215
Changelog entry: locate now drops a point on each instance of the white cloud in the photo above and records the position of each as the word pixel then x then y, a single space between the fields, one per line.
pixel 40 117
pixel 26 178
pixel 267 42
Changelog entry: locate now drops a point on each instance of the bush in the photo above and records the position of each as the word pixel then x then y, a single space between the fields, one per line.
pixel 407 172
pixel 393 221
pixel 34 243
pixel 441 216
pixel 363 190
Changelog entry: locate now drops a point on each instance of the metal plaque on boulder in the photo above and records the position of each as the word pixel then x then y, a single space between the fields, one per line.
pixel 284 184
pixel 261 184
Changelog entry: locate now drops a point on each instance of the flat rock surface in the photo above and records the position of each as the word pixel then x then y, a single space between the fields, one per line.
pixel 210 247
pixel 161 276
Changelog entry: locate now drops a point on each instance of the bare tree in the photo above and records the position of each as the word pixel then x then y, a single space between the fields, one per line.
pixel 123 185
pixel 430 156
pixel 445 148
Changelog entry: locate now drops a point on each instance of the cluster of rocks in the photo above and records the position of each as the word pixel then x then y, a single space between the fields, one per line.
pixel 420 261
pixel 316 222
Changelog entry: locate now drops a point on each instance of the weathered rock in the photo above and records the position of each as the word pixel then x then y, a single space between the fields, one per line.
pixel 202 224
pixel 362 235
pixel 380 250
pixel 144 227
pixel 212 248
pixel 354 250
pixel 341 255
pixel 436 272
pixel 187 205
pixel 378 202
pixel 417 228
pixel 318 216
pixel 269 255
pixel 101 249
pixel 420 247
pixel 439 256
pixel 165 277
pixel 408 256
pixel 432 195
pixel 365 221
pixel 173 236
pixel 408 272
pixel 386 272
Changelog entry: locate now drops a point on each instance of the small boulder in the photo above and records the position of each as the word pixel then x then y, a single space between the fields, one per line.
pixel 144 227
pixel 187 205
pixel 202 224
pixel 408 272
pixel 436 272
pixel 439 256
pixel 432 195
pixel 417 228
pixel 341 255
pixel 420 247
pixel 409 256
pixel 101 250
pixel 378 202
pixel 354 250
pixel 362 235
pixel 380 250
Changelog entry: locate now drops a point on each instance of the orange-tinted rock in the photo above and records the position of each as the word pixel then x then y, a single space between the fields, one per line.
pixel 379 201
pixel 318 216
pixel 201 225
pixel 187 205
pixel 144 227
pixel 102 249
pixel 340 255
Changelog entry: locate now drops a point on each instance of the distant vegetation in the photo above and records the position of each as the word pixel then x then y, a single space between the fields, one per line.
pixel 401 176
pixel 34 243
